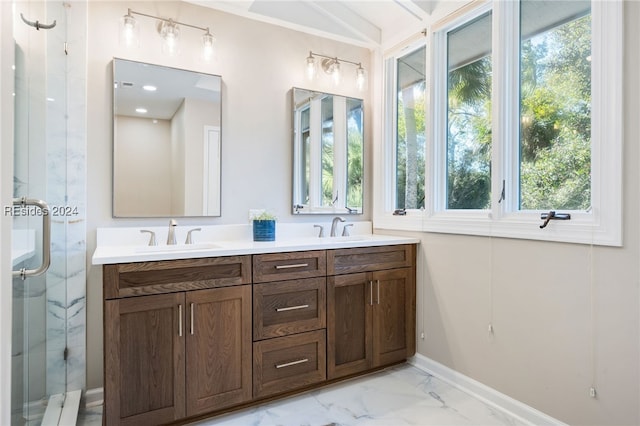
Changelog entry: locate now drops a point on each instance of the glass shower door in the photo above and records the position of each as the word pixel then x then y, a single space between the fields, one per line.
pixel 39 324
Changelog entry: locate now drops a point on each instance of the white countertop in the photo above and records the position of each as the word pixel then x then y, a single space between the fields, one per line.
pixel 124 245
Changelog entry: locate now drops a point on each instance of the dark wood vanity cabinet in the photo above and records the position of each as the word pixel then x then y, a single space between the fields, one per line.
pixel 170 356
pixel 184 338
pixel 289 321
pixel 371 314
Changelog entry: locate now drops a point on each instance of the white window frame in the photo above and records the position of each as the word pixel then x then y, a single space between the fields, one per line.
pixel 602 224
pixel 414 218
pixel 339 156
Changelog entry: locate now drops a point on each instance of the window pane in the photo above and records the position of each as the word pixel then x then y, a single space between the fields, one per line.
pixel 410 137
pixel 327 151
pixel 354 153
pixel 555 105
pixel 305 154
pixel 469 115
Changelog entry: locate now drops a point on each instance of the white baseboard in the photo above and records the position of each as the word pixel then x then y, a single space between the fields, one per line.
pixel 484 393
pixel 94 397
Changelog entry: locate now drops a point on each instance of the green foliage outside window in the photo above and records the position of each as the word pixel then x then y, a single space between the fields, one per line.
pixel 555 152
pixel 555 124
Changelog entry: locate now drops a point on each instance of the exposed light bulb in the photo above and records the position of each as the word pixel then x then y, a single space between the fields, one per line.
pixel 170 34
pixel 336 76
pixel 361 78
pixel 207 46
pixel 129 31
pixel 311 67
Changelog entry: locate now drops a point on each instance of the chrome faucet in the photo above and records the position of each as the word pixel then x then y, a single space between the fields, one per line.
pixel 334 224
pixel 171 237
pixel 189 239
pixel 152 238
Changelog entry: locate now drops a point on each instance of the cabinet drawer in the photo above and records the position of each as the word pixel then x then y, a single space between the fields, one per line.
pixel 288 307
pixel 289 362
pixel 364 259
pixel 289 266
pixel 142 278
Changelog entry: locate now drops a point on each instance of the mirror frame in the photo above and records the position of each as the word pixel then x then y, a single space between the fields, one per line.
pixel 194 188
pixel 338 205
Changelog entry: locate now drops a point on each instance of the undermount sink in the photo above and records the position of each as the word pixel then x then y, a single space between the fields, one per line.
pixel 176 248
pixel 330 240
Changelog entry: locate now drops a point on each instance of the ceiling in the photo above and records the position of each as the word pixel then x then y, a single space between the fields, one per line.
pixel 369 23
pixel 172 85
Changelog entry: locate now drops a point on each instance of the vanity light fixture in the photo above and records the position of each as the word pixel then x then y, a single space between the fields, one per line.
pixel 331 65
pixel 169 31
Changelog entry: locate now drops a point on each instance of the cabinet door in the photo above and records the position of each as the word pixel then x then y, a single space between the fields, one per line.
pixel 218 330
pixel 349 324
pixel 144 360
pixel 394 316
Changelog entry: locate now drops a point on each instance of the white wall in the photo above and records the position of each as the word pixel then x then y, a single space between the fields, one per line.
pixel 259 64
pixel 143 158
pixel 565 316
pixel 198 115
pixel 178 141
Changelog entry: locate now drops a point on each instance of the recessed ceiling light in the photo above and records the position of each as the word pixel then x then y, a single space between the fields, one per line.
pixel 149 88
pixel 141 110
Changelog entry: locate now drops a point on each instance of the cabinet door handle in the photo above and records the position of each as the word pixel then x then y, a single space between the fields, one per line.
pixel 291 308
pixel 295 265
pixel 191 319
pixel 180 320
pixel 289 364
pixel 370 293
pixel 378 287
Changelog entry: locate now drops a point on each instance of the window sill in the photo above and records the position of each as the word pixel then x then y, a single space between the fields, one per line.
pixel 581 230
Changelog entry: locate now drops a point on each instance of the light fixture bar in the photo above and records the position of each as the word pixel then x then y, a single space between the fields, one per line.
pixel 331 66
pixel 335 58
pixel 129 11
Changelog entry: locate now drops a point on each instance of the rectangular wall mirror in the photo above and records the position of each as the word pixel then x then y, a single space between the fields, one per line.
pixel 166 141
pixel 328 142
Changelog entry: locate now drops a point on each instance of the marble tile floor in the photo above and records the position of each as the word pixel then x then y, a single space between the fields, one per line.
pixel 401 395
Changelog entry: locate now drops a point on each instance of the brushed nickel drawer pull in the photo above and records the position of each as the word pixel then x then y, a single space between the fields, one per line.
pixel 291 308
pixel 289 364
pixel 180 320
pixel 296 265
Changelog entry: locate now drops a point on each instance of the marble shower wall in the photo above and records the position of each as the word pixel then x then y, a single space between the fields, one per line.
pixel 66 192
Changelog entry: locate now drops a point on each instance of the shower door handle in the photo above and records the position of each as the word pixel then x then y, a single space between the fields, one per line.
pixel 46 237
